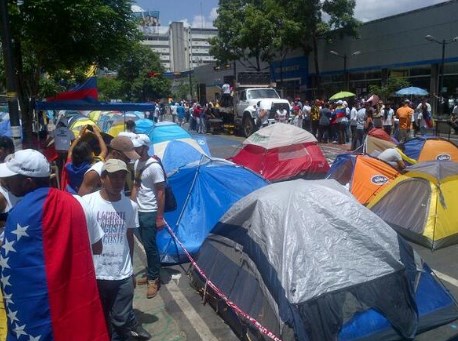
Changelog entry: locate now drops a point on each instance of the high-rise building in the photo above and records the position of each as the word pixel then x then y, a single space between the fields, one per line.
pixel 180 48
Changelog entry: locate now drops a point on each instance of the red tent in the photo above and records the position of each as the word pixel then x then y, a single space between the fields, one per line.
pixel 281 152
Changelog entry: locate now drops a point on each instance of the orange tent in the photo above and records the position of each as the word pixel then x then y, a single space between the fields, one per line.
pixel 430 149
pixel 364 175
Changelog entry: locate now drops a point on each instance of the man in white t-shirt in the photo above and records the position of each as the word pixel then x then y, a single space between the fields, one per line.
pixel 117 215
pixel 148 192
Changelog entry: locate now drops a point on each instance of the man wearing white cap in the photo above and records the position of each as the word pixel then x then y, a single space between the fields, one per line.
pixel 46 257
pixel 148 192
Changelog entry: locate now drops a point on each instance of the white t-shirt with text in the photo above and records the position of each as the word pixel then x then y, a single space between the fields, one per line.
pixel 115 218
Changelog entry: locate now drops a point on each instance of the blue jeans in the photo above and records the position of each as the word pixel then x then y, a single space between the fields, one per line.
pixel 147 221
pixel 117 297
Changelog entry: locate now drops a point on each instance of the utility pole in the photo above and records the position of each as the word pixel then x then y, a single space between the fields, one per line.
pixel 10 71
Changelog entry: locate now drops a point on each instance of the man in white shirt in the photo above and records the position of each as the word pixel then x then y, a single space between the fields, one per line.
pixel 148 192
pixel 117 215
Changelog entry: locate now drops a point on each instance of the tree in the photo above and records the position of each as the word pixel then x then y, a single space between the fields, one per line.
pixel 387 90
pixel 307 26
pixel 247 30
pixel 55 35
pixel 109 88
pixel 142 76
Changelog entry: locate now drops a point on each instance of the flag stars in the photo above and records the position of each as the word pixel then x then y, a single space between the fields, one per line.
pixel 5 281
pixel 12 316
pixel 34 338
pixel 4 263
pixel 19 330
pixel 8 246
pixel 20 231
pixel 8 298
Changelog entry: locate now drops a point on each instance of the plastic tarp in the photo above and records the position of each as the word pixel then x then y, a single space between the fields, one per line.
pixel 421 203
pixel 322 256
pixel 204 190
pixel 279 135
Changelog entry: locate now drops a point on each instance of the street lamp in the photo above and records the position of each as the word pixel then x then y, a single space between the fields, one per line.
pixel 442 42
pixel 344 57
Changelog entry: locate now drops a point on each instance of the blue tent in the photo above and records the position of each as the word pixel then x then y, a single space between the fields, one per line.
pixel 178 153
pixel 204 190
pixel 165 131
pixel 143 126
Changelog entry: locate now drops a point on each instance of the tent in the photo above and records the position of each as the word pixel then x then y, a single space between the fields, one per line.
pixel 282 151
pixel 165 131
pixel 421 204
pixel 204 190
pixel 305 270
pixel 376 141
pixel 364 175
pixel 429 148
pixel 143 125
pixel 177 153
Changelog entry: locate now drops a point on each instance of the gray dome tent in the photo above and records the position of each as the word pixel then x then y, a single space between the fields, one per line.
pixel 304 258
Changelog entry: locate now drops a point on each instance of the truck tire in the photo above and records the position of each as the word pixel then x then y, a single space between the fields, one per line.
pixel 248 126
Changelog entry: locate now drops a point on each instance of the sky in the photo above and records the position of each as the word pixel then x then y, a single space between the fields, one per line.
pixel 201 13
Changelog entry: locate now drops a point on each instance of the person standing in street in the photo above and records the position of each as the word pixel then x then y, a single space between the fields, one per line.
pixel 404 114
pixel 148 192
pixel 117 215
pixel 47 271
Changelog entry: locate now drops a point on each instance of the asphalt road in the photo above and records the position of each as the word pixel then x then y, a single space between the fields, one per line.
pixel 178 312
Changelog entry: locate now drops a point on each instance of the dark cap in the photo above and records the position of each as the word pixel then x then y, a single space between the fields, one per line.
pixel 124 145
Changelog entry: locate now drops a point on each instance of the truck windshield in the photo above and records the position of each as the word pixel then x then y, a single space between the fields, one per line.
pixel 262 93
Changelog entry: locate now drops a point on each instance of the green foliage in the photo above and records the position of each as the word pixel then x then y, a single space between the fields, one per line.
pixel 109 88
pixel 141 76
pixel 247 29
pixel 388 89
pixel 60 39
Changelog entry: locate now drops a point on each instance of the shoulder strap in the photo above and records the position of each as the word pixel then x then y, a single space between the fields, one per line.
pixel 139 172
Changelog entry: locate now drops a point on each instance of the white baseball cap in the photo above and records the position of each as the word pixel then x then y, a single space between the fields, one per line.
pixel 27 162
pixel 141 140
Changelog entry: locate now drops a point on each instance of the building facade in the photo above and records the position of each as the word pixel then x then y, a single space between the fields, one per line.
pixel 181 48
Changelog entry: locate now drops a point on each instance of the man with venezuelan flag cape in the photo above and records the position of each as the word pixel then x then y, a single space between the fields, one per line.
pixel 47 272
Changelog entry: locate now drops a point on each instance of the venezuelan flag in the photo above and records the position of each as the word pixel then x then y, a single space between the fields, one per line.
pixel 47 272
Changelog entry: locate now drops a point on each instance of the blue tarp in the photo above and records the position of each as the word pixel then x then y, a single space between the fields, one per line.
pixel 204 191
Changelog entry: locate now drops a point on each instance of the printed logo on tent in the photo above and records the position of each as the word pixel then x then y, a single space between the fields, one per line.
pixel 379 180
pixel 443 157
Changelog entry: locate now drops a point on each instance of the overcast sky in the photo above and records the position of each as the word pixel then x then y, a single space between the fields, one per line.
pixel 202 13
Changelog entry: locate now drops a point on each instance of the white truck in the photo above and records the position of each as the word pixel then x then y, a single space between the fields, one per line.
pixel 243 112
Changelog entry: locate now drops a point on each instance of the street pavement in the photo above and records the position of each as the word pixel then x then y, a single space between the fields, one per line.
pixel 179 313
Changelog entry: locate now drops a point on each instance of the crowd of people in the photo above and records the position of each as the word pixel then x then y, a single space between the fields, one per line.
pixel 345 121
pixel 93 220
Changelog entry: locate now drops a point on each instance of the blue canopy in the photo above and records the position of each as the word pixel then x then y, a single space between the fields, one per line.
pixel 92 105
pixel 204 190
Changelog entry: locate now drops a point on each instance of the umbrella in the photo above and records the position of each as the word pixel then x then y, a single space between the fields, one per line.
pixel 412 91
pixel 342 94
